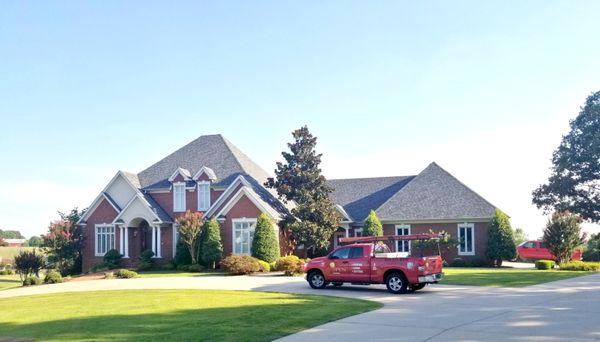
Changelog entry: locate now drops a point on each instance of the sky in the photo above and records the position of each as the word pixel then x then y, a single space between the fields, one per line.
pixel 485 89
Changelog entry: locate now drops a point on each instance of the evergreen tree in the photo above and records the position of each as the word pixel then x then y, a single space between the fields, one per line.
pixel 372 225
pixel 265 245
pixel 563 234
pixel 573 184
pixel 211 250
pixel 299 179
pixel 500 241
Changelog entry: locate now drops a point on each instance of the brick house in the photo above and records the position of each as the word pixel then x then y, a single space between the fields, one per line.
pixel 135 212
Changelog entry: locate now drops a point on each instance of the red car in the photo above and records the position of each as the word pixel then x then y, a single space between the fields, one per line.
pixel 535 250
pixel 369 261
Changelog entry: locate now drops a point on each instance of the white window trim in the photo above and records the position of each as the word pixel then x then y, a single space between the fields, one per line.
pixel 175 231
pixel 175 209
pixel 240 220
pixel 356 230
pixel 203 183
pixel 104 225
pixel 472 227
pixel 402 226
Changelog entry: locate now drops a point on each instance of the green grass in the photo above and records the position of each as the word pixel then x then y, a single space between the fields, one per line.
pixel 9 281
pixel 174 273
pixel 174 315
pixel 7 254
pixel 504 277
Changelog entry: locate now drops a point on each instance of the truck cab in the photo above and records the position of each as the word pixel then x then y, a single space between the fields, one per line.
pixel 368 260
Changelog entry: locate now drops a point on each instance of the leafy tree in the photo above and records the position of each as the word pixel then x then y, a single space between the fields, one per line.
pixel 2 242
pixel 211 250
pixel 592 252
pixel 265 245
pixel 314 218
pixel 500 240
pixel 35 241
pixel 28 263
pixel 520 236
pixel 563 234
pixel 574 182
pixel 372 225
pixel 11 234
pixel 190 228
pixel 64 242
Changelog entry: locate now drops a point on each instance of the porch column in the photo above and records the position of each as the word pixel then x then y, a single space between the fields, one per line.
pixel 154 241
pixel 158 238
pixel 121 240
pixel 126 242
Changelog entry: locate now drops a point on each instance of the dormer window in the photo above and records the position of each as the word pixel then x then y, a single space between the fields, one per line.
pixel 179 197
pixel 203 196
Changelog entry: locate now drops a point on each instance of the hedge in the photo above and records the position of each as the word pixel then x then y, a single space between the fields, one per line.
pixel 545 264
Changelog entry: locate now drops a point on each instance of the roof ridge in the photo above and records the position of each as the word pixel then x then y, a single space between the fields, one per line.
pixel 383 177
pixel 237 153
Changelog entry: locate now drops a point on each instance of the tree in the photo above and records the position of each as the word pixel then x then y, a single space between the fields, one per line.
pixel 35 241
pixel 520 236
pixel 299 179
pixel 211 250
pixel 190 228
pixel 563 234
pixel 2 242
pixel 265 245
pixel 64 242
pixel 11 234
pixel 574 182
pixel 28 263
pixel 500 240
pixel 372 225
pixel 592 251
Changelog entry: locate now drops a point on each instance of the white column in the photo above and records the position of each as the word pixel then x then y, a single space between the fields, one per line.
pixel 158 238
pixel 126 242
pixel 154 241
pixel 121 241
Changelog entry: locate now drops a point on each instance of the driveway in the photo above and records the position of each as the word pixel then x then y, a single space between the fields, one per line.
pixel 563 310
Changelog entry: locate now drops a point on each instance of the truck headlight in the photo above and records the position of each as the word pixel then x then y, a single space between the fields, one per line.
pixel 421 268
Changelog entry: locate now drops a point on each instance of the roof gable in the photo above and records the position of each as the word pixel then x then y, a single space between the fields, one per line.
pixel 435 194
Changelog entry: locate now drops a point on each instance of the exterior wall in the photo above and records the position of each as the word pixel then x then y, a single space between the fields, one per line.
pixel 165 200
pixel 480 234
pixel 244 208
pixel 104 213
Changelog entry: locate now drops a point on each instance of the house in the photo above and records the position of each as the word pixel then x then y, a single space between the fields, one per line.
pixel 15 242
pixel 135 212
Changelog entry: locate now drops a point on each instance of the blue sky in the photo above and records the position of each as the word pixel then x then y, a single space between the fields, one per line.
pixel 486 89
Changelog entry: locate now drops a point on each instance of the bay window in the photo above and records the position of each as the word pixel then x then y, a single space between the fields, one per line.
pixel 105 238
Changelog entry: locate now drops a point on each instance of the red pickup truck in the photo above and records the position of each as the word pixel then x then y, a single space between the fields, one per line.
pixel 536 250
pixel 367 260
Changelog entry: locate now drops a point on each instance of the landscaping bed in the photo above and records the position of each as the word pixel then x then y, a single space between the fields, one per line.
pixel 199 315
pixel 504 277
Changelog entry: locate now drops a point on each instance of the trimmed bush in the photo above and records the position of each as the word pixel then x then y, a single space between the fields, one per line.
pixel 29 281
pixel 109 275
pixel 501 241
pixel 28 263
pixel 7 272
pixel 458 262
pixel 273 266
pixel 168 266
pixel 545 264
pixel 145 260
pixel 190 268
pixel 264 266
pixel 53 277
pixel 372 226
pixel 211 248
pixel 112 259
pixel 580 266
pixel 240 264
pixel 290 265
pixel 126 274
pixel 182 255
pixel 265 245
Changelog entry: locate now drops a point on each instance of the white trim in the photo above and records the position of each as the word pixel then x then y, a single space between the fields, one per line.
pixel 239 179
pixel 126 256
pixel 203 183
pixel 175 238
pixel 472 227
pixel 345 214
pixel 358 230
pixel 454 220
pixel 147 206
pixel 397 244
pixel 184 205
pixel 209 172
pixel 180 171
pixel 114 236
pixel 253 198
pixel 241 220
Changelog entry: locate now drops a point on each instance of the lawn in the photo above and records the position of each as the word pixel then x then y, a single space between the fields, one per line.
pixel 7 254
pixel 199 315
pixel 8 281
pixel 504 277
pixel 174 273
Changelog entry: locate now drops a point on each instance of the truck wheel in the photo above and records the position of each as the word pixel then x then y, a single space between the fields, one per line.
pixel 316 280
pixel 337 284
pixel 396 283
pixel 419 286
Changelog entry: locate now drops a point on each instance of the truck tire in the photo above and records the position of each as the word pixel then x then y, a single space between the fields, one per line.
pixel 337 284
pixel 417 287
pixel 316 280
pixel 396 283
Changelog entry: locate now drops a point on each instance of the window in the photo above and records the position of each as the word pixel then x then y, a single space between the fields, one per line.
pixel 243 234
pixel 402 246
pixel 341 253
pixel 203 196
pixel 358 232
pixel 178 197
pixel 543 245
pixel 105 238
pixel 356 252
pixel 528 244
pixel 466 237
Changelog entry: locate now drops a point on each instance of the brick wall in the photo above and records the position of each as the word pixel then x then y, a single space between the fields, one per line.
pixel 104 213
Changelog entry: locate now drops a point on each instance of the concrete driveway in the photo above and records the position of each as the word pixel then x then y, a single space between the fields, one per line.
pixel 563 310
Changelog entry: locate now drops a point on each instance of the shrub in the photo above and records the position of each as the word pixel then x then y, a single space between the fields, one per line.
pixel 53 277
pixel 168 266
pixel 240 264
pixel 182 255
pixel 477 262
pixel 290 265
pixel 265 245
pixel 126 274
pixel 544 264
pixel 372 226
pixel 31 280
pixel 7 272
pixel 264 266
pixel 273 266
pixel 211 248
pixel 592 248
pixel 109 275
pixel 563 234
pixel 190 268
pixel 99 268
pixel 458 262
pixel 112 259
pixel 580 266
pixel 145 260
pixel 28 263
pixel 501 240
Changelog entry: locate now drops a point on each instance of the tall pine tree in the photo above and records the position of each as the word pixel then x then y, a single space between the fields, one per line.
pixel 265 245
pixel 500 240
pixel 299 179
pixel 372 225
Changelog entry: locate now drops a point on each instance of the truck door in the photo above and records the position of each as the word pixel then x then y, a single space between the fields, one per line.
pixel 336 262
pixel 358 265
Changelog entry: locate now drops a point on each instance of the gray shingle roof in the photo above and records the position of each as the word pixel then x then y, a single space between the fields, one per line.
pixel 435 194
pixel 213 151
pixel 158 210
pixel 358 196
